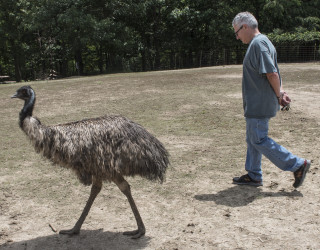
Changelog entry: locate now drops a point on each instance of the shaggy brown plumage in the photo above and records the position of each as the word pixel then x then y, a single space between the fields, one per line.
pixel 99 149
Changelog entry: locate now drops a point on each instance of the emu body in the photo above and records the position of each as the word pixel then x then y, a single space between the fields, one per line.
pixel 99 149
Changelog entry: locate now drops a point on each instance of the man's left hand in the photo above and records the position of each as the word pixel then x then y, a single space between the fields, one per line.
pixel 284 101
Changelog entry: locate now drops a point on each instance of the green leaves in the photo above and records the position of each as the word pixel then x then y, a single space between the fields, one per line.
pixel 37 36
pixel 296 38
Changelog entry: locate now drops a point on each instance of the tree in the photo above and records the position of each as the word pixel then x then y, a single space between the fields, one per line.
pixel 87 37
pixel 14 34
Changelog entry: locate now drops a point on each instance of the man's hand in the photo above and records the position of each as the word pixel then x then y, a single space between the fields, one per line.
pixel 284 101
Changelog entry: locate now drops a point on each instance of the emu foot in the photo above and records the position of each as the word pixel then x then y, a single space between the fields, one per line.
pixel 136 233
pixel 70 231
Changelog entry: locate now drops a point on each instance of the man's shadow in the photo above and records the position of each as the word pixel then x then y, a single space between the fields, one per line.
pixel 87 239
pixel 238 196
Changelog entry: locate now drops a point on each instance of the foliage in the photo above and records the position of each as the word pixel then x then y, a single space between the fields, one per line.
pixel 39 38
pixel 296 38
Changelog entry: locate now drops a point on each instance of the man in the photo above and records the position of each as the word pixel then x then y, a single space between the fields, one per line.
pixel 262 95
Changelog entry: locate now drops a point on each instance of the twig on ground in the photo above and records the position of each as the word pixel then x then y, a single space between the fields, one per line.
pixel 52 228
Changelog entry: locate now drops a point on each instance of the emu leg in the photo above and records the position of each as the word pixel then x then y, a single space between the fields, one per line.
pixel 95 189
pixel 125 189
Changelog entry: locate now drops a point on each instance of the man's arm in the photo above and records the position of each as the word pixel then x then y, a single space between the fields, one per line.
pixel 274 81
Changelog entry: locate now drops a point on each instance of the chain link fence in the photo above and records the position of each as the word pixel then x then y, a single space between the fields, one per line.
pixel 228 55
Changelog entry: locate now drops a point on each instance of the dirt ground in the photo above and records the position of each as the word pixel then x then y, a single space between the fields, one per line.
pixel 198 115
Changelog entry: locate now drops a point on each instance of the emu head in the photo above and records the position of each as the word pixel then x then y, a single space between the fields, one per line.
pixel 27 94
pixel 24 93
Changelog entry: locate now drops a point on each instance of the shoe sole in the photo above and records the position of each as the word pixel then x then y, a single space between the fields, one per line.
pixel 306 169
pixel 248 184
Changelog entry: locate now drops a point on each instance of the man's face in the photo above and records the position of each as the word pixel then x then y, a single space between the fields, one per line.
pixel 241 33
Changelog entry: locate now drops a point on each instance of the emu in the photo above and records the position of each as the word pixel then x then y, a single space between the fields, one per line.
pixel 100 149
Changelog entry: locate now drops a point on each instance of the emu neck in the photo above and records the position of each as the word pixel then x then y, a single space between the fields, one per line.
pixel 27 109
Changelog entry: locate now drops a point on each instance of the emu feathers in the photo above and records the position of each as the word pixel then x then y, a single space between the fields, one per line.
pixel 100 147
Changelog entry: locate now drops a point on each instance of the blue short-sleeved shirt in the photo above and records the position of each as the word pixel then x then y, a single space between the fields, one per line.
pixel 259 99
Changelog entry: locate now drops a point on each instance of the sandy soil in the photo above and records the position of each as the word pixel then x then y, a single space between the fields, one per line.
pixel 206 212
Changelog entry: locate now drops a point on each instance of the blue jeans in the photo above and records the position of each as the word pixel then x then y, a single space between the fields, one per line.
pixel 258 144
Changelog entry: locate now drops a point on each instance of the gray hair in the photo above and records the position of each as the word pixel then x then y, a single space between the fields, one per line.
pixel 245 18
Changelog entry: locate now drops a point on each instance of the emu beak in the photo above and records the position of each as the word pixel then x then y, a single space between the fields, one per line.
pixel 15 95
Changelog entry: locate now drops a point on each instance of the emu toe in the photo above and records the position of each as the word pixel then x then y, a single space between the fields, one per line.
pixel 136 234
pixel 70 231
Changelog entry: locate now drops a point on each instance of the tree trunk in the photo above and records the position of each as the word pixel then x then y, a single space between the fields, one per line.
pixel 100 58
pixel 79 62
pixel 17 68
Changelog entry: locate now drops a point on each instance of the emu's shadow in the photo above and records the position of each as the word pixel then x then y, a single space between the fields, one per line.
pixel 87 239
pixel 238 196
